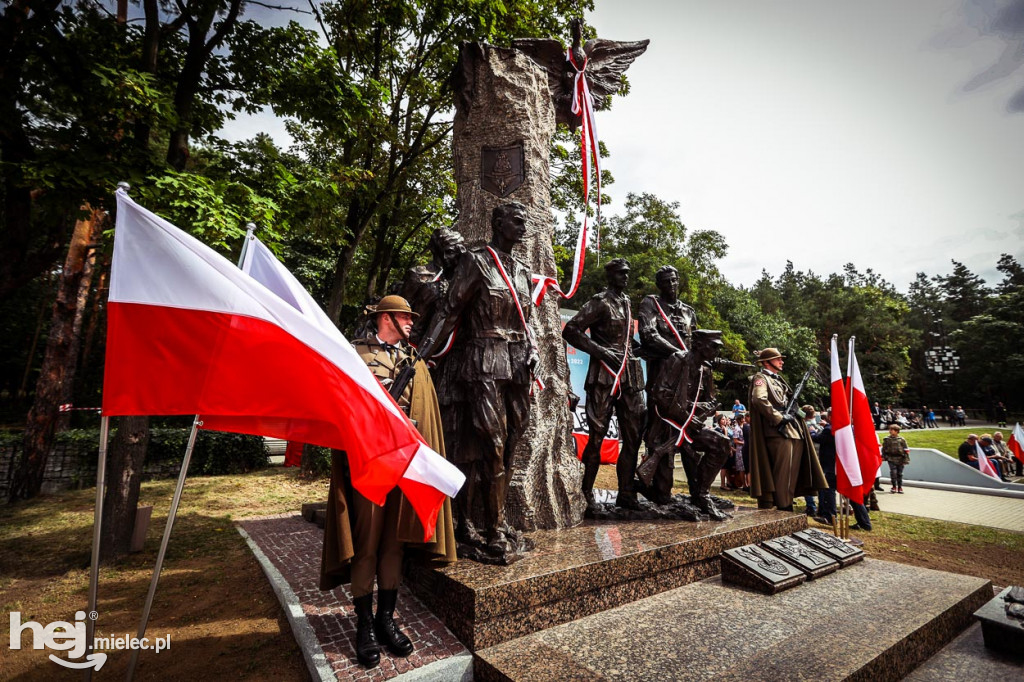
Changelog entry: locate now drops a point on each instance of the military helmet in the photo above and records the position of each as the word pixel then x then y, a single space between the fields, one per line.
pixel 391 304
pixel 617 264
pixel 769 354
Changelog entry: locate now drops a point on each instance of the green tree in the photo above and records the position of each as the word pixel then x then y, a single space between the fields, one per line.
pixel 376 99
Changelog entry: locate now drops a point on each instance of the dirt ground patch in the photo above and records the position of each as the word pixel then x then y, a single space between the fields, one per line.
pixel 213 600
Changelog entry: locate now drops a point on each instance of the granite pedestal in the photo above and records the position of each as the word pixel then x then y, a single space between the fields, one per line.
pixel 579 571
pixel 886 618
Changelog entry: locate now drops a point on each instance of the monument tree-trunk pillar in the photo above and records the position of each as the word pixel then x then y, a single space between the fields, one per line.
pixel 504 106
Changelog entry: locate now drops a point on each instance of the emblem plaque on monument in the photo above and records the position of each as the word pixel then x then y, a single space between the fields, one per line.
pixel 502 169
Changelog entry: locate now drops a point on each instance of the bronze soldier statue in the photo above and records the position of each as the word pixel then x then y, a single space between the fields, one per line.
pixel 683 397
pixel 489 300
pixel 614 381
pixel 425 286
pixel 666 329
pixel 783 461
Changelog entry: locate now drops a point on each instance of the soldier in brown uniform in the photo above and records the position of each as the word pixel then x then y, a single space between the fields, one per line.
pixel 489 300
pixel 666 330
pixel 614 382
pixel 783 461
pixel 361 540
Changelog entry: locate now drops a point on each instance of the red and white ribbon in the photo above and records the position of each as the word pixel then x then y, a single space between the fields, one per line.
pixel 519 309
pixel 683 436
pixel 583 106
pixel 671 326
pixel 68 407
pixel 625 354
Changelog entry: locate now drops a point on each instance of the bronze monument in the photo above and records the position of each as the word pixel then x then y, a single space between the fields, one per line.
pixel 614 381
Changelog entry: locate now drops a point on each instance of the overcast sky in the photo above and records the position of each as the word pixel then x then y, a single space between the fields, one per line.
pixel 886 133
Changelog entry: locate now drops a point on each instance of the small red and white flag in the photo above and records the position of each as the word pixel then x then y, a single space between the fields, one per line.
pixel 984 465
pixel 190 333
pixel 869 451
pixel 849 481
pixel 1016 442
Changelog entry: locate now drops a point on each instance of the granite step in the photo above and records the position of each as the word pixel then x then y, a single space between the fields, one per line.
pixel 967 658
pixel 576 572
pixel 875 620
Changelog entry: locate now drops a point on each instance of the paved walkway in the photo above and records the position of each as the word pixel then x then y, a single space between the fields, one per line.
pixel 1006 513
pixel 288 548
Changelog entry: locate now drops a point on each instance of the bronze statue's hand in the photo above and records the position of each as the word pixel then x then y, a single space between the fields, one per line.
pixel 611 358
pixel 533 362
pixel 681 354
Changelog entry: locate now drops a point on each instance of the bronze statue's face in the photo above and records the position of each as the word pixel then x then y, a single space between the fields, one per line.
pixel 668 284
pixel 618 278
pixel 512 225
pixel 450 255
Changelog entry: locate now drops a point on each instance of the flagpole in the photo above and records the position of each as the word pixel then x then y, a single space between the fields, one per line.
pixel 849 377
pixel 250 228
pixel 94 568
pixel 163 543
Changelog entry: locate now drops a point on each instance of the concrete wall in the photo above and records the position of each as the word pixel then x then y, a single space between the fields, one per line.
pixel 933 466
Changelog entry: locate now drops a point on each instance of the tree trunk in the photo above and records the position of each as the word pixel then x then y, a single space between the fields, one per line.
pixel 58 366
pixel 126 454
pixel 81 303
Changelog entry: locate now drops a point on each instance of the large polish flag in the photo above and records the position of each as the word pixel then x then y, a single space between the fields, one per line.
pixel 869 451
pixel 985 466
pixel 1016 442
pixel 428 474
pixel 190 333
pixel 849 481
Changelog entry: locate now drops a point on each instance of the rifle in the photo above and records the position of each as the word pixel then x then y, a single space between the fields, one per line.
pixel 722 363
pixel 790 410
pixel 427 344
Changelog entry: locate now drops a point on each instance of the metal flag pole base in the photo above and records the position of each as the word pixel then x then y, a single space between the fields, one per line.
pixel 163 544
pixel 94 567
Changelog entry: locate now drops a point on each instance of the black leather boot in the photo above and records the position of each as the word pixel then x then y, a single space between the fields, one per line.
pixel 388 633
pixel 367 649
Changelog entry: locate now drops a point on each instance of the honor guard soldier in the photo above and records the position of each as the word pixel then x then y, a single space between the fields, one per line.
pixel 361 540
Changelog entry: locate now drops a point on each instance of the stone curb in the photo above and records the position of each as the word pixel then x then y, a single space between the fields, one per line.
pixel 313 654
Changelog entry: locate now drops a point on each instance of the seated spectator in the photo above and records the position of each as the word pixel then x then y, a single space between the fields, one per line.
pixel 1012 463
pixel 993 457
pixel 968 451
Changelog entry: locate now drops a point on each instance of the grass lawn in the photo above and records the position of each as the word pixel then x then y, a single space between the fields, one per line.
pixel 944 440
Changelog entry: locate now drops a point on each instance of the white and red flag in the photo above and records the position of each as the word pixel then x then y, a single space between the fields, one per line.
pixel 1016 442
pixel 984 466
pixel 869 451
pixel 189 333
pixel 849 481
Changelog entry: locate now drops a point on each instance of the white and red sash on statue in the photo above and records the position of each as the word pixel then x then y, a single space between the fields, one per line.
pixel 519 309
pixel 683 436
pixel 625 354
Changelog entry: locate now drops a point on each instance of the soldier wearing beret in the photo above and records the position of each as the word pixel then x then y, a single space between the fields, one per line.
pixel 783 462
pixel 614 382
